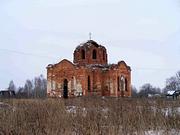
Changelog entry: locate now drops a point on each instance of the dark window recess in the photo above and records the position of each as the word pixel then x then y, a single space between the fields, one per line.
pixel 94 54
pixel 83 54
pixel 103 55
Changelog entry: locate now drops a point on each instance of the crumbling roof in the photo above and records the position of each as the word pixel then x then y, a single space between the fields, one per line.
pixel 93 42
pixel 129 68
pixel 49 66
pixel 105 66
pixel 88 44
pixel 64 60
pixel 123 62
pixel 95 66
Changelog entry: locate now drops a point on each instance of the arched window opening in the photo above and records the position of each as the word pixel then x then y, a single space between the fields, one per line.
pixel 94 54
pixel 122 83
pixel 83 54
pixel 126 85
pixel 89 84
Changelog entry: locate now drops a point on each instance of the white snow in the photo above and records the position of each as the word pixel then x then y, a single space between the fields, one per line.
pixel 171 92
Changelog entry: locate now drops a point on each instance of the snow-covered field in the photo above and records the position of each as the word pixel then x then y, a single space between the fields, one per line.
pixel 162 132
pixel 168 112
pixel 91 116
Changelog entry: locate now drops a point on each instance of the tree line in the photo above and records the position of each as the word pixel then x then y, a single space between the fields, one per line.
pixel 35 88
pixel 172 83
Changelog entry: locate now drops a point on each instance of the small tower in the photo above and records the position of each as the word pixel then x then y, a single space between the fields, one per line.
pixel 90 52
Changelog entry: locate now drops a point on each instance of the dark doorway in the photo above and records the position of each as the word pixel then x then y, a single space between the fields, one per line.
pixel 65 91
pixel 89 84
pixel 118 83
pixel 126 85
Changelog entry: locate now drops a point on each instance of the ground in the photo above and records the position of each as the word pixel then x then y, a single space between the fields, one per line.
pixel 90 115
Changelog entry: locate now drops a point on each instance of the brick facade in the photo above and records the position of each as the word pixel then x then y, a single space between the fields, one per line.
pixel 89 74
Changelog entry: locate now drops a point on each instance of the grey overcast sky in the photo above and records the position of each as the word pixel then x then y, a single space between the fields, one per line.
pixel 143 33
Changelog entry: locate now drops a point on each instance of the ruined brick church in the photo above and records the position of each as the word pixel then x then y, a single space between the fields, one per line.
pixel 89 74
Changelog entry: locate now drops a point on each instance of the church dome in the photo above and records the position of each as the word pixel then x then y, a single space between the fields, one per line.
pixel 90 52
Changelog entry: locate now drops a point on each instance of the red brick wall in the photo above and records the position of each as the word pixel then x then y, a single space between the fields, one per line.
pixel 103 78
pixel 102 82
pixel 101 55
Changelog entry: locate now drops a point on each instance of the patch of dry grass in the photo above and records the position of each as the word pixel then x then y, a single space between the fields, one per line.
pixel 92 116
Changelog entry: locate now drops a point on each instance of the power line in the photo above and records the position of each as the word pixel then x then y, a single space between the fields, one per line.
pixel 50 57
pixel 28 54
pixel 154 68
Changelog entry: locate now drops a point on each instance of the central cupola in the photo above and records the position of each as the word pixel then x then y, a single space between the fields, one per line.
pixel 90 52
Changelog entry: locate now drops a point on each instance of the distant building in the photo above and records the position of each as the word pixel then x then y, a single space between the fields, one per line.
pixel 5 93
pixel 89 74
pixel 173 93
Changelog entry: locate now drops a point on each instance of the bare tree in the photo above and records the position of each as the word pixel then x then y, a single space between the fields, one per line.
pixel 40 86
pixel 134 91
pixel 12 86
pixel 173 83
pixel 178 80
pixel 35 88
pixel 148 89
pixel 28 88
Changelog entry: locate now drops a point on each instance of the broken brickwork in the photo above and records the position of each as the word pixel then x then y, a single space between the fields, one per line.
pixel 89 74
